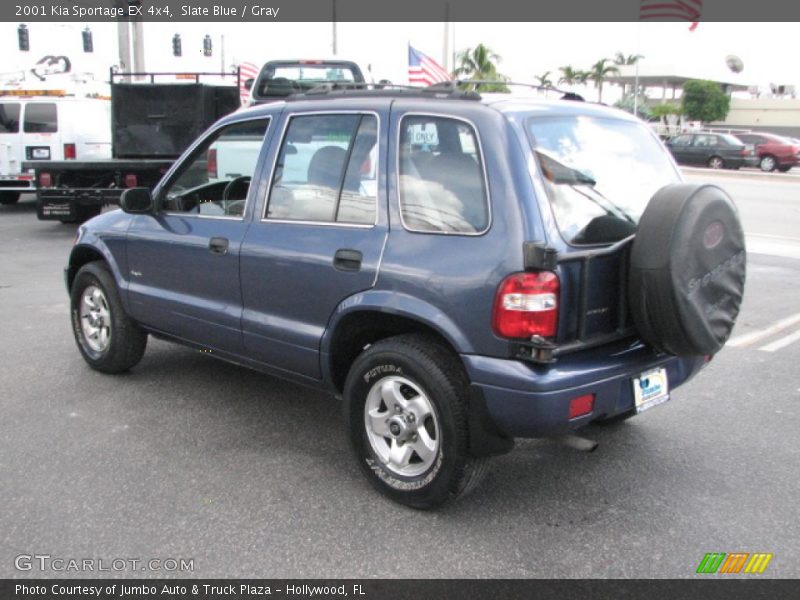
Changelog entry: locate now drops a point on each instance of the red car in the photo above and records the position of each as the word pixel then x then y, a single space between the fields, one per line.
pixel 774 151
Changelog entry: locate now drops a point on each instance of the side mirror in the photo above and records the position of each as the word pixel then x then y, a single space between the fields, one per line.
pixel 248 83
pixel 137 201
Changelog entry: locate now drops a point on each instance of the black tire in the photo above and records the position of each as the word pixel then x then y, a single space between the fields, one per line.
pixel 431 372
pixel 8 198
pixel 716 162
pixel 785 168
pixel 125 341
pixel 768 163
pixel 687 270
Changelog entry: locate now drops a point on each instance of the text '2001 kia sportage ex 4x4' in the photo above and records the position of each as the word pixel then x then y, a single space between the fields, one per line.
pixel 460 270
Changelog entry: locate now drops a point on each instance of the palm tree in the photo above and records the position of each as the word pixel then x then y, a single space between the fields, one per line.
pixel 544 79
pixel 480 62
pixel 620 59
pixel 599 73
pixel 572 76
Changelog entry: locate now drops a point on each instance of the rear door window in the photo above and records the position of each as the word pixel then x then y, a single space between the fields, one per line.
pixel 9 118
pixel 41 118
pixel 441 177
pixel 327 170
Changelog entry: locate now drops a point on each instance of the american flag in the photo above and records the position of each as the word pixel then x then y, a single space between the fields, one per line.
pixel 671 10
pixel 422 69
pixel 247 70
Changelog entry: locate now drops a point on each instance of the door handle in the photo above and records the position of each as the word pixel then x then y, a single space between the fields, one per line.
pixel 218 245
pixel 347 260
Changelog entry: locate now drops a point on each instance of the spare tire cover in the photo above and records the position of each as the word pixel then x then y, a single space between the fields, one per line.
pixel 687 270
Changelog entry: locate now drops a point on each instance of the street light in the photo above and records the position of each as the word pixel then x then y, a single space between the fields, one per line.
pixel 207 45
pixel 176 45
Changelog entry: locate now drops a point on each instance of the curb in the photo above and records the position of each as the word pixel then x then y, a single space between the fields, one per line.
pixel 776 177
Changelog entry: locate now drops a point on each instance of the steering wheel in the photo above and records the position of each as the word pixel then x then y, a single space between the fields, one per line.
pixel 236 181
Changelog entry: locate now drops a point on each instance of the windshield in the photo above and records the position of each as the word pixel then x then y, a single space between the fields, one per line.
pixel 600 174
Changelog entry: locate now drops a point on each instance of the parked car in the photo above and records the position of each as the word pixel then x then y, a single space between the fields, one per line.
pixel 773 151
pixel 460 270
pixel 278 79
pixel 714 150
pixel 48 125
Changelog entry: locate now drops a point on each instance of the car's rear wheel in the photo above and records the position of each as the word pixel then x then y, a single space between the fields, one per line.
pixel 716 162
pixel 107 339
pixel 406 412
pixel 7 198
pixel 768 163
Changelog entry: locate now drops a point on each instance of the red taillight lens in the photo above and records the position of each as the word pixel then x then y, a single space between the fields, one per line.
pixel 582 405
pixel 45 180
pixel 212 163
pixel 69 152
pixel 526 304
pixel 131 181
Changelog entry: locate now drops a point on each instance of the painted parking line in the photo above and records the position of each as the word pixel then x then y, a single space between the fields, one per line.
pixel 781 343
pixel 773 245
pixel 756 336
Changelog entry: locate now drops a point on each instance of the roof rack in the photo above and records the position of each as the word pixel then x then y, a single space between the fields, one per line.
pixel 477 83
pixel 352 88
pixel 457 89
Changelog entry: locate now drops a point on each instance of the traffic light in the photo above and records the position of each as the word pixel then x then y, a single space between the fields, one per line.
pixel 88 44
pixel 24 38
pixel 176 45
pixel 207 46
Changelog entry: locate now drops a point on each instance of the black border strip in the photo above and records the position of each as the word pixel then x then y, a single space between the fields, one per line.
pixel 388 10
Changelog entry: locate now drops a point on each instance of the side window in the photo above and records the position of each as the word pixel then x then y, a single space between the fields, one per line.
pixel 40 118
pixel 9 118
pixel 682 140
pixel 214 181
pixel 327 170
pixel 442 187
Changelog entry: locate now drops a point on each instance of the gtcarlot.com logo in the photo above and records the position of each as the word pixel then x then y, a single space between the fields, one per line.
pixel 734 562
pixel 46 562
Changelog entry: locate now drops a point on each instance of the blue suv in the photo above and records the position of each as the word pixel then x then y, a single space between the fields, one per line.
pixel 460 270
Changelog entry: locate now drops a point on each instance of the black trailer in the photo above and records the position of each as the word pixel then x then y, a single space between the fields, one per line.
pixel 152 123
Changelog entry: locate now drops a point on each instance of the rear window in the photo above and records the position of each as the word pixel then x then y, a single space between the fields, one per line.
pixel 9 118
pixel 600 174
pixel 41 118
pixel 283 80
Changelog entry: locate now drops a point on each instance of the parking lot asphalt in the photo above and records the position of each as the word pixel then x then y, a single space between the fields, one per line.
pixel 187 457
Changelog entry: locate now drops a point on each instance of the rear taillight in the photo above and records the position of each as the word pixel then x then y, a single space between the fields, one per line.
pixel 45 180
pixel 69 152
pixel 131 181
pixel 526 304
pixel 212 163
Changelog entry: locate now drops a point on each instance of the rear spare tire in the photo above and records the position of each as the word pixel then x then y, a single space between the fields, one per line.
pixel 687 270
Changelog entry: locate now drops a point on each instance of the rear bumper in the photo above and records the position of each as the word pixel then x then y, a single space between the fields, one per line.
pixel 526 400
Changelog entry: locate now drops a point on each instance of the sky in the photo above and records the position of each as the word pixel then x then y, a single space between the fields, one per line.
pixel 768 50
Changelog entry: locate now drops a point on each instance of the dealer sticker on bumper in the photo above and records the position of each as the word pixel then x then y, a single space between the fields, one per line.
pixel 650 389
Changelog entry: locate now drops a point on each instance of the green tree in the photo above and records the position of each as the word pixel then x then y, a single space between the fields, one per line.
pixel 480 62
pixel 631 59
pixel 704 101
pixel 544 79
pixel 572 76
pixel 599 73
pixel 665 109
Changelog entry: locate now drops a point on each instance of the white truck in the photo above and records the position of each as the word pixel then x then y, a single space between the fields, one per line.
pixel 38 125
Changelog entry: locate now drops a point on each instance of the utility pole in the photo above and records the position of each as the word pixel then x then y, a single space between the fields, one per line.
pixel 446 48
pixel 334 27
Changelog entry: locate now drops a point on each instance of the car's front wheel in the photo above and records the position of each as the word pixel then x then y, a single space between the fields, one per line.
pixel 768 163
pixel 406 411
pixel 107 339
